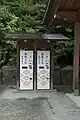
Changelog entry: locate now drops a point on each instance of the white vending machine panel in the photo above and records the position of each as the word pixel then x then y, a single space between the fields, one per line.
pixel 43 69
pixel 26 70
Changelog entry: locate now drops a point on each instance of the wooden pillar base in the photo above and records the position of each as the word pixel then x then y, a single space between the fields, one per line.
pixel 76 92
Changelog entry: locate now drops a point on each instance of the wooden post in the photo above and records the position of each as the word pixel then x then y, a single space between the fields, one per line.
pixel 35 65
pixel 52 66
pixel 76 58
pixel 18 64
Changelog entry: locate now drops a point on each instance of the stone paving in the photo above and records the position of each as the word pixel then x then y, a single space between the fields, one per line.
pixel 64 108
pixel 25 109
pixel 75 99
pixel 54 104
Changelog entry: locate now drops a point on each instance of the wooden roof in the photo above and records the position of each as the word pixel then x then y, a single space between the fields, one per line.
pixel 68 10
pixel 25 36
pixel 69 5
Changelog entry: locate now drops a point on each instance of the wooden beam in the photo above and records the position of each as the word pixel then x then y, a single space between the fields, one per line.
pixel 62 21
pixel 52 8
pixel 78 15
pixel 49 6
pixel 66 16
pixel 76 57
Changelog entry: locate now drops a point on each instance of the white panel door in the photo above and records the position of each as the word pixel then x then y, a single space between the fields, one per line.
pixel 26 70
pixel 43 69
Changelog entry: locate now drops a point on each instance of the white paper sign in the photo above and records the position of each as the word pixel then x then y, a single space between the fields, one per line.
pixel 26 70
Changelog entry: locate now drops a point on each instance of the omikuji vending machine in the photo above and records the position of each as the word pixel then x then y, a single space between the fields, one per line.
pixel 43 69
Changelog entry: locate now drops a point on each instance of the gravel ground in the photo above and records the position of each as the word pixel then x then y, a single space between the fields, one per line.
pixel 25 109
pixel 31 105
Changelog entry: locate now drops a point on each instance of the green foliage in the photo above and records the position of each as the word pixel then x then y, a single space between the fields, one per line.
pixel 64 51
pixel 7 53
pixel 62 48
pixel 15 16
pixel 8 21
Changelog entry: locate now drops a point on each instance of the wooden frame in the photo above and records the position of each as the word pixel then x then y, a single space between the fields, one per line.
pixel 67 11
pixel 18 64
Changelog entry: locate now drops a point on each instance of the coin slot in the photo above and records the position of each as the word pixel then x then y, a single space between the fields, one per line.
pixel 24 67
pixel 41 67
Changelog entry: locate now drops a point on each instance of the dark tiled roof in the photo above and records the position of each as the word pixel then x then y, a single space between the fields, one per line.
pixel 20 36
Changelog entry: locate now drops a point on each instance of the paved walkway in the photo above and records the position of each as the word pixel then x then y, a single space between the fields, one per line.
pixel 75 99
pixel 61 106
pixel 25 109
